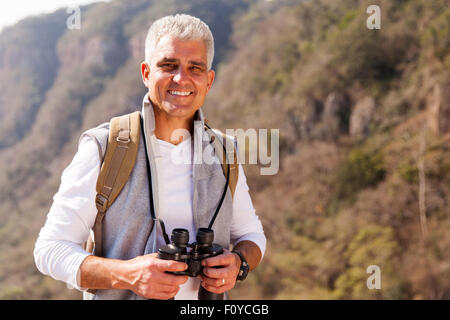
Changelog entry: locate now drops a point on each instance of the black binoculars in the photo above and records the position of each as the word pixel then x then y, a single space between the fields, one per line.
pixel 201 249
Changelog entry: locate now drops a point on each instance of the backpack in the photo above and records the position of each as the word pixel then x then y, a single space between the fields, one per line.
pixel 119 160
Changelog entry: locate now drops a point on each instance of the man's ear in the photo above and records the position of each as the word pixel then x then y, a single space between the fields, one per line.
pixel 211 76
pixel 145 72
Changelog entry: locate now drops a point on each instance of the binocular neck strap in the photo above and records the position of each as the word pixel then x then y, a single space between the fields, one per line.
pixel 225 158
pixel 163 228
pixel 152 207
pixel 221 199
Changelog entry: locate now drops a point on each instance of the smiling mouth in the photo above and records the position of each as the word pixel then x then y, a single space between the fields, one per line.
pixel 180 93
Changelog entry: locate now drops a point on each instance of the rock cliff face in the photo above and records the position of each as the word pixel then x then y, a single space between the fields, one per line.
pixel 311 112
pixel 100 50
pixel 28 67
pixel 438 103
pixel 137 46
pixel 361 117
pixel 335 116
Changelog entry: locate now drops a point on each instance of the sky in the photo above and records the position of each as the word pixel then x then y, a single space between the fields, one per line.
pixel 12 11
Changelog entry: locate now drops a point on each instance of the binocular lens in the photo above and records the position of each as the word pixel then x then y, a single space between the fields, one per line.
pixel 180 237
pixel 205 236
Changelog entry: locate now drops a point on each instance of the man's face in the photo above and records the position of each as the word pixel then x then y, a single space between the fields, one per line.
pixel 177 77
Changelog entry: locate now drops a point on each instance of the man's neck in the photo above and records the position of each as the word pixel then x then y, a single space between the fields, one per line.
pixel 165 127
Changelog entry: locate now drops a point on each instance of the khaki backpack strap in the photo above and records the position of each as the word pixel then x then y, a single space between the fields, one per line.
pixel 234 172
pixel 121 152
pixel 220 143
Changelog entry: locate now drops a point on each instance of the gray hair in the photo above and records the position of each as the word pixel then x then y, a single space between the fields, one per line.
pixel 181 26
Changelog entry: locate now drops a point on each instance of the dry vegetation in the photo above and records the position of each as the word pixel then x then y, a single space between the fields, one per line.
pixel 354 106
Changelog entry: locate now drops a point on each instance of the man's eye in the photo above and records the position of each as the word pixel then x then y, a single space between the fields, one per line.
pixel 168 66
pixel 195 68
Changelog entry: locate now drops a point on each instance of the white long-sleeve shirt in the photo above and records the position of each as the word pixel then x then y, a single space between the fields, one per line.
pixel 58 250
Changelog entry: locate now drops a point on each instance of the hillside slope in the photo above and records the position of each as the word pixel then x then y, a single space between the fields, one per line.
pixel 364 119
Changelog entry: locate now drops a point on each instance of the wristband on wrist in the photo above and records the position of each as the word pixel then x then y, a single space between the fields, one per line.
pixel 244 268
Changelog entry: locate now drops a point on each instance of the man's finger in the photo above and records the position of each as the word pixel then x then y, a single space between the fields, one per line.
pixel 170 279
pixel 218 273
pixel 171 265
pixel 166 289
pixel 215 289
pixel 220 260
pixel 215 282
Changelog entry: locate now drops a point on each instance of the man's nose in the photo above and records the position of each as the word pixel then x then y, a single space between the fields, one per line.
pixel 180 76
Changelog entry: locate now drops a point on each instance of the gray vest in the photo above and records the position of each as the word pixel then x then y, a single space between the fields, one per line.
pixel 128 229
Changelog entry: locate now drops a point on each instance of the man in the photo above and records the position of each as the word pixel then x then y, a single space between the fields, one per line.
pixel 177 72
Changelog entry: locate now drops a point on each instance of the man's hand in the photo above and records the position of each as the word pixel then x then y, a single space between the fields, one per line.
pixel 220 272
pixel 144 275
pixel 147 277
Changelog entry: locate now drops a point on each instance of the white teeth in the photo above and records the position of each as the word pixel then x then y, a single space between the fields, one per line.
pixel 180 93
